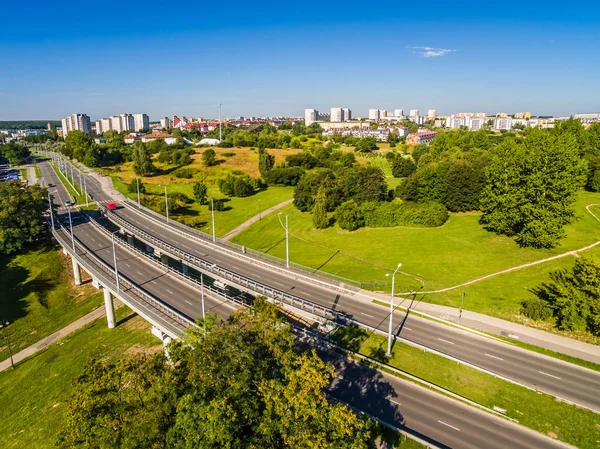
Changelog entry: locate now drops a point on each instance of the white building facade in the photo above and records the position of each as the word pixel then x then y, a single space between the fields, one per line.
pixel 76 122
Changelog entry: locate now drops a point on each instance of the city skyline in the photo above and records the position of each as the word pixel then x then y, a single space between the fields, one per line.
pixel 262 62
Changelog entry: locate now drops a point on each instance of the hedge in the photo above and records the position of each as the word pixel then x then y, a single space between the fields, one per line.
pixel 385 215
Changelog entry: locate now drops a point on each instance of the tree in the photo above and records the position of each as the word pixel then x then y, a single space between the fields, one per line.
pixel 239 186
pixel 366 145
pixel 531 188
pixel 16 153
pixel 266 162
pixel 320 218
pixel 574 296
pixel 133 186
pixel 363 183
pixel 402 166
pixel 243 383
pixel 209 157
pixel 77 144
pixel 200 191
pixel 349 216
pixel 142 161
pixel 21 216
pixel 289 176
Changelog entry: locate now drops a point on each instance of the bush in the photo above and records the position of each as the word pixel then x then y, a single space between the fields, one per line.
pixel 536 309
pixel 304 160
pixel 132 187
pixel 402 167
pixel 185 173
pixel 239 186
pixel 209 157
pixel 385 215
pixel 349 216
pixel 285 176
pixel 218 204
pixel 228 154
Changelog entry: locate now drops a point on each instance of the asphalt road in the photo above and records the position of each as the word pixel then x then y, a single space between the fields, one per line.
pixel 444 421
pixel 566 381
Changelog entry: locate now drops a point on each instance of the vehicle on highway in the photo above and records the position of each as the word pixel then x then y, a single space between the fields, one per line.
pixel 68 203
pixel 51 185
pixel 111 206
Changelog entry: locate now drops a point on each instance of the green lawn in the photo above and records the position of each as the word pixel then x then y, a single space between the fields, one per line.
pixel 38 296
pixel 540 412
pixel 457 252
pixel 33 395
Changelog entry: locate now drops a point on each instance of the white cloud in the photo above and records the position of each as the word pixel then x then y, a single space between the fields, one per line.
pixel 430 52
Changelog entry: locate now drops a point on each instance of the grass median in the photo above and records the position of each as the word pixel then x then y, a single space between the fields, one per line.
pixel 66 179
pixel 538 411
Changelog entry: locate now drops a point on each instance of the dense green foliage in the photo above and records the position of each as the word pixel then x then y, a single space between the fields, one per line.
pixel 349 216
pixel 142 160
pixel 16 153
pixel 239 186
pixel 532 187
pixel 574 296
pixel 200 192
pixel 266 162
pixel 242 384
pixel 27 124
pixel 185 173
pixel 21 216
pixel 209 157
pixel 394 213
pixel 366 145
pixel 320 218
pixel 402 166
pixel 136 185
pixel 284 176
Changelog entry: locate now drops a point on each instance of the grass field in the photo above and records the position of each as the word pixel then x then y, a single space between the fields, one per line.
pixel 457 252
pixel 33 395
pixel 540 412
pixel 38 296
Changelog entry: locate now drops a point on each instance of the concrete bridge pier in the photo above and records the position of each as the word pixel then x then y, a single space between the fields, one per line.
pixel 110 308
pixel 130 239
pixel 76 271
pixel 166 339
pixel 185 269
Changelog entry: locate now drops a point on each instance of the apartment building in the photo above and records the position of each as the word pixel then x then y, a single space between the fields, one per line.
pixel 398 113
pixel 337 114
pixel 310 116
pixel 431 114
pixel 413 113
pixel 76 122
pixel 165 122
pixel 141 122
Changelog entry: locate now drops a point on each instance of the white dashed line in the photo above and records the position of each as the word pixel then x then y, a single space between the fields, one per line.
pixel 366 314
pixel 407 328
pixel 169 291
pixel 188 302
pixel 140 273
pixel 446 424
pixel 446 341
pixel 395 402
pixel 494 356
pixel 549 375
pixel 128 265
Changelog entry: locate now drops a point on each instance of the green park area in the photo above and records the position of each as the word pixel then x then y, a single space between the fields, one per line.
pixel 35 393
pixel 432 258
pixel 38 296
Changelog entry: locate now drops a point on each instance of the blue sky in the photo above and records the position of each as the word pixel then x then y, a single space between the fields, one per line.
pixel 279 58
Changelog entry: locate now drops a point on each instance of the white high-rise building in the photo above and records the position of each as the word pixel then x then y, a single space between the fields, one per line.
pixel 347 114
pixel 398 112
pixel 165 122
pixel 503 123
pixel 310 116
pixel 337 114
pixel 431 114
pixel 413 113
pixel 382 113
pixel 141 122
pixel 76 122
pixel 373 114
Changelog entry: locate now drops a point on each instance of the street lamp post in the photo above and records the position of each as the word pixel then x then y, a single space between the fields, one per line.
pixel 212 207
pixel 389 349
pixel 51 214
pixel 137 182
pixel 166 204
pixel 71 226
pixel 115 259
pixel 87 200
pixel 3 326
pixel 202 295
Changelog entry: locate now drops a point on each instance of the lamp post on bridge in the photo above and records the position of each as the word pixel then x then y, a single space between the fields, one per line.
pixel 112 235
pixel 389 348
pixel 71 227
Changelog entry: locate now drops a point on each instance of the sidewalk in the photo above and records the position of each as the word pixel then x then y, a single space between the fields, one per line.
pixel 254 219
pixel 498 326
pixel 61 333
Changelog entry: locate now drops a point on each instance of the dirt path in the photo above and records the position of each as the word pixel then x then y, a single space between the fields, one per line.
pixel 254 219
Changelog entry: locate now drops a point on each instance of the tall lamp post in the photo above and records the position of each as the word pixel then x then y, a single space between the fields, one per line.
pixel 115 258
pixel 212 209
pixel 71 227
pixel 202 294
pixel 51 211
pixel 3 326
pixel 389 349
pixel 287 242
pixel 137 182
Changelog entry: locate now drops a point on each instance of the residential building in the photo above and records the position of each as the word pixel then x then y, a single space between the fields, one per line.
pixel 347 114
pixel 179 122
pixel 168 138
pixel 431 114
pixel 337 114
pixel 165 122
pixel 398 113
pixel 76 122
pixel 373 114
pixel 382 113
pixel 413 113
pixel 310 116
pixel 141 122
pixel 503 123
pixel 420 137
pixel 418 119
pixel 525 115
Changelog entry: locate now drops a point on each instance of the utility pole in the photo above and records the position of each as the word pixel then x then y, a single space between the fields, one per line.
pixel 220 128
pixel 212 206
pixel 389 348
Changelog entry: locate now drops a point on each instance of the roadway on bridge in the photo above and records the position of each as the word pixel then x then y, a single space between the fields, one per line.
pixel 445 421
pixel 564 380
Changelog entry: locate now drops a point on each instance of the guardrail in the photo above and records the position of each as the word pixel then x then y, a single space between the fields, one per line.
pixel 241 251
pixel 239 280
pixel 152 309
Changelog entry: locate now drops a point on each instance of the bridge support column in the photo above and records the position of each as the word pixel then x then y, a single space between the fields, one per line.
pixel 166 341
pixel 130 239
pixel 185 269
pixel 110 309
pixel 164 259
pixel 76 271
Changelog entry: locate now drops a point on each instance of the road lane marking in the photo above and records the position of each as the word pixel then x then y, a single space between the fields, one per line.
pixel 188 302
pixel 549 375
pixel 366 314
pixel 169 291
pixel 446 341
pixel 494 356
pixel 128 265
pixel 140 273
pixel 446 424
pixel 407 328
pixel 395 402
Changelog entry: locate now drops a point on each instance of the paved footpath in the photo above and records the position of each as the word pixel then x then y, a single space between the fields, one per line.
pixel 61 333
pixel 251 221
